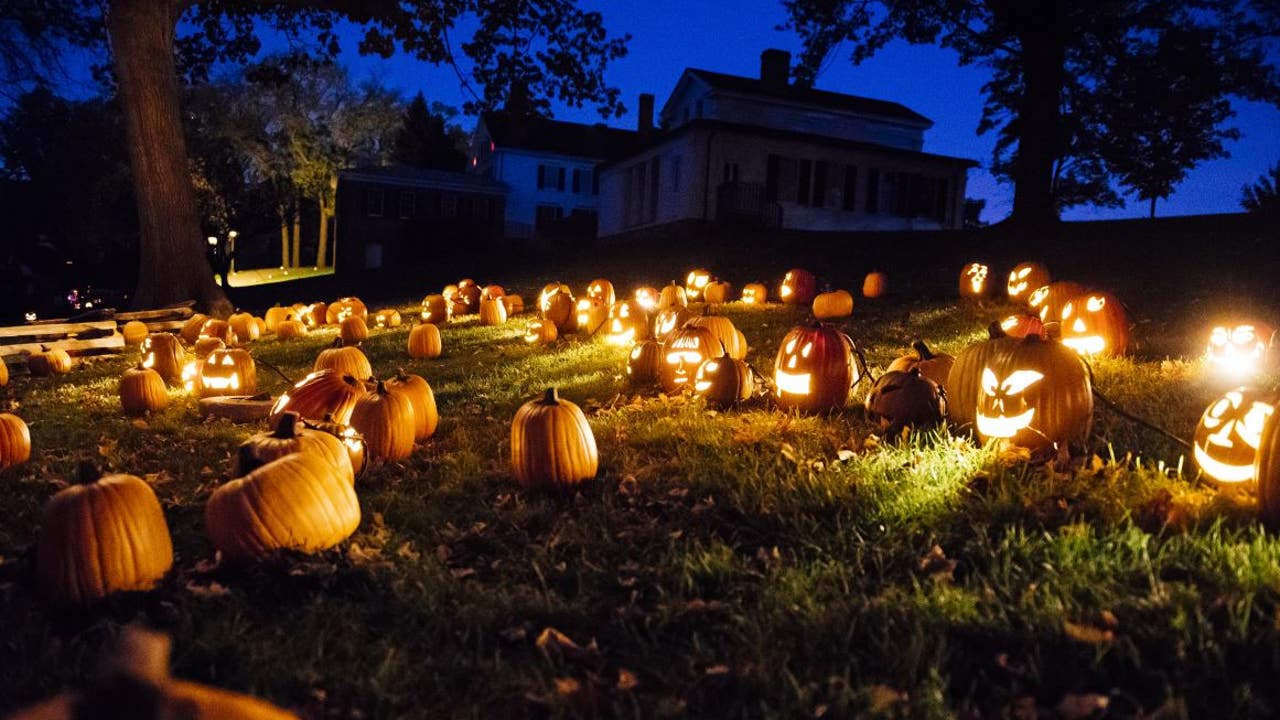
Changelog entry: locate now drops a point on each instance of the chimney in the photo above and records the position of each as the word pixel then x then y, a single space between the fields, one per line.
pixel 775 68
pixel 645 121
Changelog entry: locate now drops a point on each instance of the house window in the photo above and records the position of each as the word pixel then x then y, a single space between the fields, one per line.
pixel 820 183
pixel 373 203
pixel 595 182
pixel 577 180
pixel 804 168
pixel 849 200
pixel 542 176
pixel 448 205
pixel 772 176
pixel 943 201
pixel 873 191
pixel 408 204
pixel 675 173
pixel 560 179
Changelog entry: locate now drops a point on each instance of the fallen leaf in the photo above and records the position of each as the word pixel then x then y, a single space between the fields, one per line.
pixel 1088 634
pixel 715 670
pixel 627 680
pixel 882 698
pixel 936 565
pixel 1078 707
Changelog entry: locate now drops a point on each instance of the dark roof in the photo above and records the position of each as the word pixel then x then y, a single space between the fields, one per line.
pixel 810 96
pixel 770 132
pixel 423 177
pixel 537 134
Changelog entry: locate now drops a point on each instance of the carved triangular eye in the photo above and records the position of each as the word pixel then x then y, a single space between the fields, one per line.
pixel 989 382
pixel 1020 380
pixel 1095 303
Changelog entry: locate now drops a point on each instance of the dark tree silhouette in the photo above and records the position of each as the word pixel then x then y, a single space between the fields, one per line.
pixel 427 139
pixel 1047 99
pixel 550 46
pixel 1263 196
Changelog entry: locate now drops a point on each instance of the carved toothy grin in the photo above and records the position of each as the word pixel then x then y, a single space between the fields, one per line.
pixel 793 383
pixel 1004 427
pixel 1221 471
pixel 1087 345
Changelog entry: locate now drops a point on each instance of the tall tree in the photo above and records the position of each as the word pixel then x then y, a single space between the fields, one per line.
pixel 551 46
pixel 1263 195
pixel 428 139
pixel 1050 60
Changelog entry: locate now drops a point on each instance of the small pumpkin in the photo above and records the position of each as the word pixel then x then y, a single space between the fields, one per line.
pixel 300 501
pixel 244 327
pixel 275 315
pixel 424 341
pixel 163 353
pixel 1020 325
pixel 798 287
pixel 386 420
pixel 314 315
pixel 875 285
pixel 934 366
pixel 492 291
pixel 514 304
pixel 648 297
pixel 219 329
pixel 627 323
pixel 1024 279
pixel 103 535
pixel 1047 301
pixel 291 436
pixel 695 282
pixel 814 369
pixel 732 341
pixel 645 363
pixel 834 304
pixel 901 399
pixel 724 381
pixel 322 393
pixel 386 318
pixel 435 309
pixel 346 360
pixel 556 304
pixel 353 329
pixel 1240 348
pixel 492 311
pixel 15 441
pixel 974 283
pixel 291 329
pixel 1095 324
pixel 49 362
pixel 191 328
pixel 134 332
pixel 469 292
pixel 755 294
pixel 717 291
pixel 540 331
pixel 552 444
pixel 206 345
pixel 142 391
pixel 228 372
pixel 672 296
pixel 4 373
pixel 418 390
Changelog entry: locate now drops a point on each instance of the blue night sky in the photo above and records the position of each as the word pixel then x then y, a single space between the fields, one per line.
pixel 729 36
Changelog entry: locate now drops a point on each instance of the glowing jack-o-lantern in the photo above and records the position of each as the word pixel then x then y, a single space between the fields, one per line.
pixel 644 364
pixel 540 332
pixel 798 287
pixel 1035 394
pixel 386 318
pixel 1095 324
pixel 723 381
pixel 648 298
pixel 1022 325
pixel 973 281
pixel 627 323
pixel 1239 349
pixel 228 372
pixel 556 304
pixel 590 315
pixel 683 353
pixel 435 310
pixel 814 369
pixel 695 282
pixel 163 353
pixel 755 294
pixel 343 308
pixel 668 320
pixel 1047 301
pixel 1025 278
pixel 313 315
pixel 1226 441
pixel 602 290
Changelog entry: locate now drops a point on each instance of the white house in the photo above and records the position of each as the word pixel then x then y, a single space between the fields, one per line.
pixel 762 151
pixel 549 169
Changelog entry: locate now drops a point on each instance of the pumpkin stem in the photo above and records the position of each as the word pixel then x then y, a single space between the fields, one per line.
pixel 994 331
pixel 381 388
pixel 552 396
pixel 922 350
pixel 87 472
pixel 287 427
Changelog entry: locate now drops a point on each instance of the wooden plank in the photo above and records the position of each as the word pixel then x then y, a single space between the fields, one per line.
pixel 165 325
pixel 57 330
pixel 161 314
pixel 75 347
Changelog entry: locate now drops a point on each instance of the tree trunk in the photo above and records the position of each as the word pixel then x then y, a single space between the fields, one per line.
pixel 284 239
pixel 297 236
pixel 1153 208
pixel 172 265
pixel 1039 118
pixel 322 243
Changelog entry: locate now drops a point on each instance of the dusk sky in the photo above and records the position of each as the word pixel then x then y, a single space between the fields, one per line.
pixel 728 37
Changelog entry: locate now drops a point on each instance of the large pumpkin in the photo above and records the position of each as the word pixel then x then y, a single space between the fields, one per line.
pixel 352 329
pixel 100 536
pixel 551 443
pixel 314 315
pixel 724 381
pixel 244 326
pixel 814 369
pixel 191 328
pixel 163 353
pixel 683 353
pixel 540 331
pixel 1024 279
pixel 717 291
pixel 290 436
pixel 15 441
pixel 648 297
pixel 1034 393
pixel 416 388
pixel 1226 440
pixel 1095 324
pixel 322 393
pixel 297 502
pixel 386 318
pixel 291 329
pixel 346 360
pixel 834 304
pixel 276 315
pixel 901 399
pixel 1267 471
pixel 424 341
pixel 228 372
pixel 964 381
pixel 220 330
pixel 386 420
pixel 798 287
pixel 142 391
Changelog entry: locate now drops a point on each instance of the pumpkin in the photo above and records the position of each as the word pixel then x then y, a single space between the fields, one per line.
pixel 835 304
pixel 424 341
pixel 645 363
pixel 648 297
pixel 206 345
pixel 1095 324
pixel 49 362
pixel 244 327
pixel 228 372
pixel 717 291
pixel 492 291
pixel 514 304
pixel 556 304
pixel 291 436
pixel 901 399
pixel 1020 325
pixel 973 281
pixel 1024 278
pixel 192 327
pixel 387 422
pixel 134 332
pixel 672 296
pixel 386 318
pixel 353 329
pixel 347 435
pixel 1047 301
pixel 275 315
pixel 346 360
pixel 1267 471
pixel 458 306
pixel 336 311
pixel 469 293
pixel 668 320
pixel 1226 441
pixel 798 287
pixel 450 293
pixel 4 373
pixel 934 366
pixel 695 282
pixel 163 353
pixel 724 332
pixel 814 369
pixel 551 444
pixel 875 285
pixel 539 331
pixel 684 352
pixel 314 315
pixel 291 329
pixel 755 294
pixel 602 290
pixel 1240 349
pixel 627 323
pixel 103 535
pixel 435 309
pixel 219 329
pixel 964 382
pixel 1035 394
pixel 590 315
pixel 142 391
pixel 297 502
pixel 15 441
pixel 492 311
pixel 724 381
pixel 416 388
pixel 323 392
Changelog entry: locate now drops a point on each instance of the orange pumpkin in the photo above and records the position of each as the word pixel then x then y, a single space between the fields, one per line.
pixel 551 444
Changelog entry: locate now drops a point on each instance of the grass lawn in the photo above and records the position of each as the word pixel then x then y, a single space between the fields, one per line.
pixel 724 564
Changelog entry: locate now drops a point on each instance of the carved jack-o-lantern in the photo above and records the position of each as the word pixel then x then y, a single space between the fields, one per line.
pixel 590 315
pixel 647 297
pixel 645 362
pixel 163 353
pixel 683 353
pixel 1239 349
pixel 228 372
pixel 1034 393
pixel 1095 324
pixel 798 287
pixel 556 304
pixel 723 381
pixel 627 323
pixel 602 290
pixel 1047 301
pixel 435 310
pixel 1226 441
pixel 540 332
pixel 1024 279
pixel 1022 325
pixel 386 318
pixel 973 281
pixel 668 320
pixel 755 294
pixel 695 282
pixel 814 369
